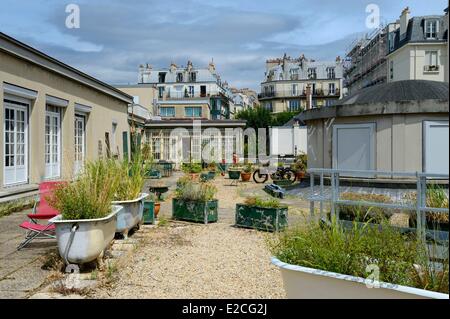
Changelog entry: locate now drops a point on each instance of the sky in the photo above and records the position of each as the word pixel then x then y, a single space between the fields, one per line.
pixel 116 36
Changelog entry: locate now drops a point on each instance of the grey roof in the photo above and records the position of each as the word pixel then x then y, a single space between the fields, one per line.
pixel 408 90
pixel 416 31
pixel 402 97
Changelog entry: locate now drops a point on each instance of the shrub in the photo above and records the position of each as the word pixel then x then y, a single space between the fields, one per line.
pixel 436 198
pixel 90 195
pixel 301 163
pixel 15 206
pixel 191 168
pixel 263 203
pixel 191 191
pixel 349 252
pixel 131 177
pixel 365 213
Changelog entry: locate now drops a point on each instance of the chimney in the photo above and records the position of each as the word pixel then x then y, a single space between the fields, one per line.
pixel 308 97
pixel 212 66
pixel 144 73
pixel 404 20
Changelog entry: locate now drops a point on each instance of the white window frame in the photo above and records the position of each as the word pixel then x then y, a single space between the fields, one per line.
pixel 434 24
pixel 373 133
pixel 25 109
pixel 49 167
pixel 78 164
pixel 331 88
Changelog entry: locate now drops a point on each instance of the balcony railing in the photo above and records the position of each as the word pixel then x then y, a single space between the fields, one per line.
pixel 431 68
pixel 290 93
pixel 187 95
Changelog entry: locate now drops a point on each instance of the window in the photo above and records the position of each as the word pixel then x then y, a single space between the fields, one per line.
pixel 294 74
pixel 52 142
pixel 80 144
pixel 167 111
pixel 312 73
pixel 193 111
pixel 331 73
pixel 161 92
pixel 192 77
pixel 391 41
pixel 391 70
pixel 179 77
pixel 331 88
pixel 114 149
pixel 431 61
pixel 136 99
pixel 162 77
pixel 294 105
pixel 203 90
pixel 191 91
pixel 431 29
pixel 294 89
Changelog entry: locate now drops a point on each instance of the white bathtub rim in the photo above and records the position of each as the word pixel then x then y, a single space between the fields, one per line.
pixel 141 197
pixel 58 219
pixel 384 285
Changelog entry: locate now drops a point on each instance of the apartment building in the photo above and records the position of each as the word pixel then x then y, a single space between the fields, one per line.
pixel 243 99
pixel 187 92
pixel 365 63
pixel 418 48
pixel 293 84
pixel 54 117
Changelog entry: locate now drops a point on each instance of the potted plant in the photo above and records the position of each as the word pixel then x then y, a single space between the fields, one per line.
pixel 246 172
pixel 268 215
pixel 87 222
pixel 129 195
pixel 234 171
pixel 299 167
pixel 331 262
pixel 192 169
pixel 195 202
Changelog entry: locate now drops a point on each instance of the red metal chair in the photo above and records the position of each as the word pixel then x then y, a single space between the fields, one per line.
pixel 41 211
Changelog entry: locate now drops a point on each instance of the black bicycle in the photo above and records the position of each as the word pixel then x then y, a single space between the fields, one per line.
pixel 261 175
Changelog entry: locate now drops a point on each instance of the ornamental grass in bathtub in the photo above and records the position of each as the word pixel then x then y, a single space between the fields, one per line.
pixel 400 258
pixel 90 195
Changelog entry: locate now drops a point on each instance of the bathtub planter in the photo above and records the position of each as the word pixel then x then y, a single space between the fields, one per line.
pixel 309 283
pixel 131 215
pixel 196 211
pixel 267 219
pixel 84 240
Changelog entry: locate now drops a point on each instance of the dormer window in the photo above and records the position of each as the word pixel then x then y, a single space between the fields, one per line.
pixel 192 77
pixel 179 77
pixel 312 73
pixel 162 77
pixel 431 29
pixel 331 73
pixel 294 74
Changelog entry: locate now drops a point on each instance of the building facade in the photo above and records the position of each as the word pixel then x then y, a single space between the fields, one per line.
pixel 296 84
pixel 418 48
pixel 365 63
pixel 243 99
pixel 188 92
pixel 53 117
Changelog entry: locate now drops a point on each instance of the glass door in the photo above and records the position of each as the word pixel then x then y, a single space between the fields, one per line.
pixel 15 139
pixel 80 143
pixel 52 143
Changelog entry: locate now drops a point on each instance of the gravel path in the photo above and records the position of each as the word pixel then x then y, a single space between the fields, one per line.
pixel 186 260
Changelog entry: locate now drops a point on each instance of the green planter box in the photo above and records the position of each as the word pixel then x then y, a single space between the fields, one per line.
pixel 202 212
pixel 207 176
pixel 149 212
pixel 268 219
pixel 234 174
pixel 153 174
pixel 283 182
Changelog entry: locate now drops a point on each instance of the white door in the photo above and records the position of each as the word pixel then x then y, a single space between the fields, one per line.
pixel 52 143
pixel 436 151
pixel 80 143
pixel 354 147
pixel 16 143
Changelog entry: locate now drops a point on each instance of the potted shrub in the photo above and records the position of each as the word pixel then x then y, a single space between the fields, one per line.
pixel 246 172
pixel 234 172
pixel 195 202
pixel 192 169
pixel 129 195
pixel 300 166
pixel 268 215
pixel 87 222
pixel 364 213
pixel 329 262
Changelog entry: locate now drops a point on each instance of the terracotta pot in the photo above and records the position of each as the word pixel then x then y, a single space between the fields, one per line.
pixel 246 176
pixel 300 176
pixel 157 208
pixel 194 176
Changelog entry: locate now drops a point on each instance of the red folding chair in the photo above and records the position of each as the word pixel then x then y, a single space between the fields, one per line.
pixel 41 211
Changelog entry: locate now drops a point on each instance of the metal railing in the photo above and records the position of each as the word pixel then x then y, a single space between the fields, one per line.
pixel 299 93
pixel 334 199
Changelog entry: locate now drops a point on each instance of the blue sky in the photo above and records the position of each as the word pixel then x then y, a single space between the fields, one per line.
pixel 116 36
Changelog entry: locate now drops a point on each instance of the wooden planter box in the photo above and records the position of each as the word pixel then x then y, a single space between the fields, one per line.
pixel 202 212
pixel 267 219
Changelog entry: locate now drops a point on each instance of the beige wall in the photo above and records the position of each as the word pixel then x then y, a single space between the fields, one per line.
pixel 146 95
pixel 105 110
pixel 409 62
pixel 398 140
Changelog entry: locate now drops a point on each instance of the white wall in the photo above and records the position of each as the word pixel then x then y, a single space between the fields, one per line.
pixel 288 140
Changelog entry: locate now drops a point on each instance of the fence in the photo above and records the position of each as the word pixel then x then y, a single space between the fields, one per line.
pixel 334 198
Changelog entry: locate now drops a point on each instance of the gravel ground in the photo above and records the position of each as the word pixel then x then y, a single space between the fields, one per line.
pixel 195 261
